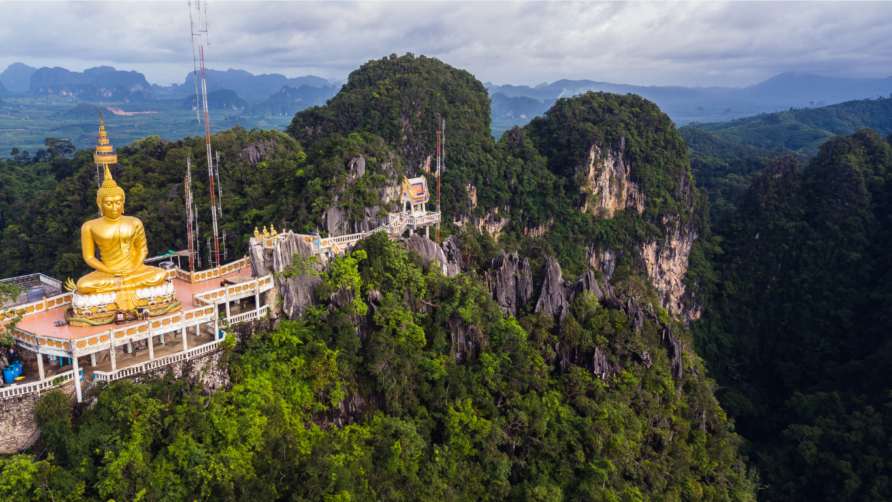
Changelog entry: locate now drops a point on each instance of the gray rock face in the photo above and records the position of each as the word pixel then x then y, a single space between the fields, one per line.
pixel 297 293
pixel 465 338
pixel 356 167
pixel 673 350
pixel 510 281
pixel 257 255
pixel 588 282
pixel 555 295
pixel 637 315
pixel 256 152
pixel 452 250
pixel 429 250
pixel 645 359
pixel 337 222
pixel 600 366
pixel 333 221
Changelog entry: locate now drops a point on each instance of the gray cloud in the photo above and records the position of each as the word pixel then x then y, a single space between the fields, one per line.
pixel 708 43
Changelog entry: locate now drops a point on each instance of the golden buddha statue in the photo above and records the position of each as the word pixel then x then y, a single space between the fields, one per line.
pixel 121 241
pixel 121 281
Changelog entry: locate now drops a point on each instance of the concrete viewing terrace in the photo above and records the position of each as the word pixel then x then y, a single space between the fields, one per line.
pixel 118 351
pixel 43 323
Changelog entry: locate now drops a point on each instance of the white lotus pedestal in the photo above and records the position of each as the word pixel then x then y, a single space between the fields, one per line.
pixel 100 309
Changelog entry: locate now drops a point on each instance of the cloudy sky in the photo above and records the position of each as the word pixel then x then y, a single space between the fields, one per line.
pixel 645 43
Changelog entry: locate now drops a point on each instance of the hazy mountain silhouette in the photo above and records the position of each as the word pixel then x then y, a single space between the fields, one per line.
pixel 223 99
pixel 102 82
pixel 247 85
pixel 17 77
pixel 690 104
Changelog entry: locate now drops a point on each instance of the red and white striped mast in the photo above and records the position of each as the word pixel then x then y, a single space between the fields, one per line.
pixel 200 30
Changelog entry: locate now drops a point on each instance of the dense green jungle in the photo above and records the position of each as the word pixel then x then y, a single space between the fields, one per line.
pixel 762 374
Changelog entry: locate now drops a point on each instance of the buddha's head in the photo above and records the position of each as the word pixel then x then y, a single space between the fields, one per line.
pixel 110 198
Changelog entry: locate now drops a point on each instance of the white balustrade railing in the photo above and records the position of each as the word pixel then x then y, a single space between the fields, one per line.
pixel 110 376
pixel 49 383
pixel 248 316
pixel 234 291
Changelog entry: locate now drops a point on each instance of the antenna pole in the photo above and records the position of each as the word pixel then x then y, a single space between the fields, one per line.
pixel 438 177
pixel 189 215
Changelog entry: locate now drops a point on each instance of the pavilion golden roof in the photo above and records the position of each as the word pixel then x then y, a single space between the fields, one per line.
pixel 104 155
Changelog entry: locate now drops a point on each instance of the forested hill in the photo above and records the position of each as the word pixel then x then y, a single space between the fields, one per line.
pixel 545 188
pixel 795 331
pixel 726 156
pixel 796 132
pixel 564 371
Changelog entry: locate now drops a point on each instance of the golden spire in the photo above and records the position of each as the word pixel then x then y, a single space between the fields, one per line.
pixel 104 151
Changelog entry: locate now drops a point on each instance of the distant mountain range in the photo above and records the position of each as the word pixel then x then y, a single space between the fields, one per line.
pixel 700 104
pixel 247 85
pixel 511 104
pixel 110 84
pixel 223 99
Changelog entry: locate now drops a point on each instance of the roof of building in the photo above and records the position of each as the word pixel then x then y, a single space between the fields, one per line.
pixel 416 189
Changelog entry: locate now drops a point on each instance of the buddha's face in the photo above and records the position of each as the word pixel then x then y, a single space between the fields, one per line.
pixel 112 207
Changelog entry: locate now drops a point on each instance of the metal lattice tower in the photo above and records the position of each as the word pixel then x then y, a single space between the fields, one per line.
pixel 189 215
pixel 199 25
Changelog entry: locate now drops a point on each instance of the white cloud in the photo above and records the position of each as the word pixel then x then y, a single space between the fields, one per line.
pixel 708 43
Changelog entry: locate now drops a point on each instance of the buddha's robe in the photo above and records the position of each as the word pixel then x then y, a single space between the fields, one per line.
pixel 122 247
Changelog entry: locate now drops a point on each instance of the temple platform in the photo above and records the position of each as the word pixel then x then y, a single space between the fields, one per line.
pixel 44 323
pixel 113 351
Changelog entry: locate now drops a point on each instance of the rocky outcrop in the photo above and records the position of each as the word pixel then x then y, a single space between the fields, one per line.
pixel 18 428
pixel 588 282
pixel 489 222
pixel 673 350
pixel 510 281
pixel 429 250
pixel 356 168
pixel 607 185
pixel 600 366
pixel 555 295
pixel 603 260
pixel 255 153
pixel 452 250
pixel 634 311
pixel 465 338
pixel 667 262
pixel 297 291
pixel 337 222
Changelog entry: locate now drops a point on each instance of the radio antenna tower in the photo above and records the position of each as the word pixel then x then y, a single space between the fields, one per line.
pixel 220 201
pixel 199 26
pixel 189 215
